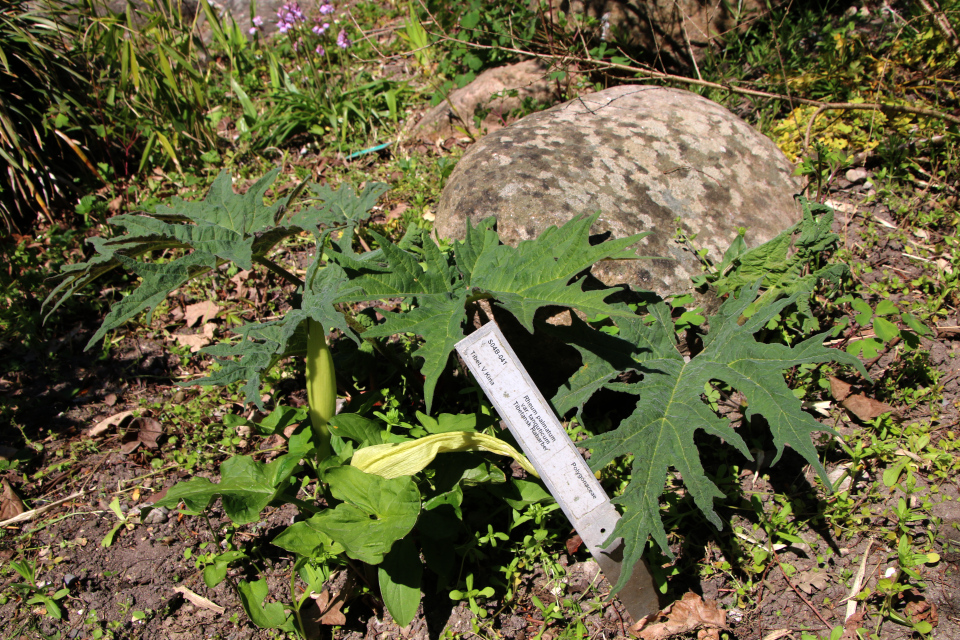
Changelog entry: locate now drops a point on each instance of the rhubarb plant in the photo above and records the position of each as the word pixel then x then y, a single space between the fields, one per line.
pixel 372 495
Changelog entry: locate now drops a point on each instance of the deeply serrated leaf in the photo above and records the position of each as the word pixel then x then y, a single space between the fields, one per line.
pixel 784 263
pixel 260 347
pixel 158 281
pixel 340 207
pixel 670 410
pixel 522 279
pixel 222 227
pixel 537 273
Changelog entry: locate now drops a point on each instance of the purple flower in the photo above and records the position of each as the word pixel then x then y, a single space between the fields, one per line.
pixel 342 40
pixel 326 9
pixel 257 21
pixel 320 51
pixel 319 29
pixel 288 16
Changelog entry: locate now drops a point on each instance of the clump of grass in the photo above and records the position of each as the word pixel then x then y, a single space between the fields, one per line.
pixel 40 151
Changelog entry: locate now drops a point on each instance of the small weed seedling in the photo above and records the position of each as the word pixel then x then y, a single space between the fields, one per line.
pixel 33 592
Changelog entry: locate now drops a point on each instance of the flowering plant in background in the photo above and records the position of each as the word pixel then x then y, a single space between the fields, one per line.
pixel 314 86
pixel 288 16
pixel 292 22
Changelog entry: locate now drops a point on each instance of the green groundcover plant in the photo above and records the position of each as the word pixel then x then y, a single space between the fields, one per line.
pixel 343 472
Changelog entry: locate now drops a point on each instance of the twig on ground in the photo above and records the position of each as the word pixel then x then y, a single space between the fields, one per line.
pixel 930 6
pixel 33 513
pixel 797 591
pixel 653 74
pixel 857 583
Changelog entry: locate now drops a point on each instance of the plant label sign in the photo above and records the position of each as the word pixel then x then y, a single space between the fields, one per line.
pixel 553 454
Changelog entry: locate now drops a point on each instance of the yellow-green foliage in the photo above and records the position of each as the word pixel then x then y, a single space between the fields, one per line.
pixel 851 71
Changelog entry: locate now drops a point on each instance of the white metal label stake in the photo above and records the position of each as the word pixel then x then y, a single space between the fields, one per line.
pixel 553 454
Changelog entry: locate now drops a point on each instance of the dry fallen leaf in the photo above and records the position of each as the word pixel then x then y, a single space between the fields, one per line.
pixel 865 408
pixel 205 311
pixel 922 610
pixel 839 389
pixel 145 431
pixel 687 614
pixel 810 581
pixel 239 281
pixel 110 400
pixel 396 211
pixel 10 503
pixel 574 543
pixel 197 341
pixel 330 609
pixel 199 600
pixel 325 608
pixel 112 421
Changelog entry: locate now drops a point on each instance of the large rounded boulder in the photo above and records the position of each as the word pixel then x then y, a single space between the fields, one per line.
pixel 648 159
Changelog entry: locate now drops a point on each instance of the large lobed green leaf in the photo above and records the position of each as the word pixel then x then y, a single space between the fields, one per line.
pixel 223 227
pixel 522 279
pixel 784 263
pixel 660 432
pixel 375 512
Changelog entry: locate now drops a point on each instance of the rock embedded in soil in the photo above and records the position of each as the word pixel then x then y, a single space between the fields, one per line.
pixel 494 95
pixel 646 158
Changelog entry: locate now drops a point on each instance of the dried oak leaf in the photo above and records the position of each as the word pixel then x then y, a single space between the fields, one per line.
pixel 865 408
pixel 920 610
pixel 574 543
pixel 839 389
pixel 205 311
pixel 689 613
pixel 197 341
pixel 810 581
pixel 145 431
pixel 10 503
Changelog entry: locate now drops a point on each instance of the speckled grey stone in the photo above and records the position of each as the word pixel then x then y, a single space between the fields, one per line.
pixel 642 156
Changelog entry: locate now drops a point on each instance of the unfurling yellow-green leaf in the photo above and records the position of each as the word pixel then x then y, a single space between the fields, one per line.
pixel 407 458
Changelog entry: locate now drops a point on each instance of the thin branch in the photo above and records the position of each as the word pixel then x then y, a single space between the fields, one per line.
pixel 653 74
pixel 797 591
pixel 33 513
pixel 930 6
